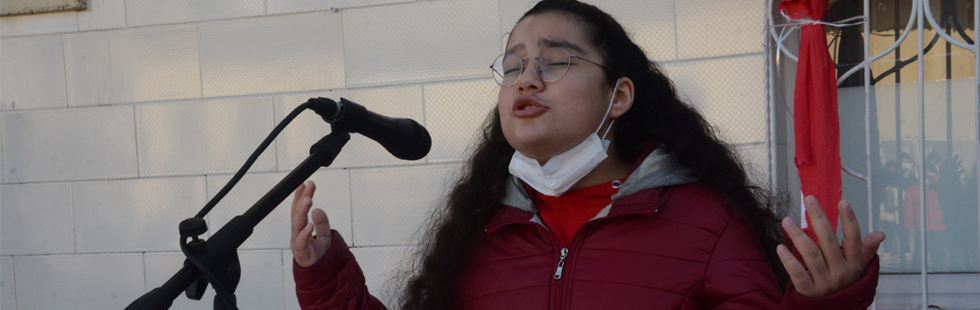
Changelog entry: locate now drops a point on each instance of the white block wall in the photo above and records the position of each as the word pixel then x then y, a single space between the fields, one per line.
pixel 119 121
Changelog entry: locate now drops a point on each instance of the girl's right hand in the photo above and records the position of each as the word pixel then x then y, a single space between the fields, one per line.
pixel 306 247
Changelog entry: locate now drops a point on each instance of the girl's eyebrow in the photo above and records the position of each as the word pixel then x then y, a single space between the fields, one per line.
pixel 550 43
pixel 561 43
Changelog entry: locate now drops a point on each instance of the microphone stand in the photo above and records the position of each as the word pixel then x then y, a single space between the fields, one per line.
pixel 219 254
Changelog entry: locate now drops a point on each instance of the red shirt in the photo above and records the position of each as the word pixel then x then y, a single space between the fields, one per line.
pixel 565 214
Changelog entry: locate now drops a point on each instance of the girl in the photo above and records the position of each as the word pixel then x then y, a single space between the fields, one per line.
pixel 595 187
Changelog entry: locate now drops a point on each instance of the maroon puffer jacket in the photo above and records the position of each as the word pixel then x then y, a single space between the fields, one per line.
pixel 666 247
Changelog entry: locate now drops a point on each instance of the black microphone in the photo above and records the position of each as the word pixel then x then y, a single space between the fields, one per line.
pixel 402 137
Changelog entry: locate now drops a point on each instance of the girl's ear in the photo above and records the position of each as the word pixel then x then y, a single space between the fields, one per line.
pixel 623 98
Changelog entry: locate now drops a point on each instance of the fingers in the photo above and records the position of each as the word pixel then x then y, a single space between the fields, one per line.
pixel 852 234
pixel 321 223
pixel 811 255
pixel 870 247
pixel 298 216
pixel 797 273
pixel 299 190
pixel 302 240
pixel 826 235
pixel 302 201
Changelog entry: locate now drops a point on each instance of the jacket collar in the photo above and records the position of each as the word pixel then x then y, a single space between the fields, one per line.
pixel 656 170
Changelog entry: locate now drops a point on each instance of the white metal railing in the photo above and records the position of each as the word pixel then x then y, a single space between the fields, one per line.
pixel 920 14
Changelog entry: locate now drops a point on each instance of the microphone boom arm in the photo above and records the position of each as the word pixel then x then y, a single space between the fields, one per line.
pixel 225 242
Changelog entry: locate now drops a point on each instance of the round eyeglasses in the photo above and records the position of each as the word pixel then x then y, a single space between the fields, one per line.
pixel 552 65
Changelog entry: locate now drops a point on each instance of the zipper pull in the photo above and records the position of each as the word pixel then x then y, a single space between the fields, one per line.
pixel 561 263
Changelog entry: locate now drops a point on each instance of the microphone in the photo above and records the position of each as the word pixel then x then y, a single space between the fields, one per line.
pixel 402 137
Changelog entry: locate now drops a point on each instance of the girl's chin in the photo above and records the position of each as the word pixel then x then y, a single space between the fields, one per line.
pixel 535 151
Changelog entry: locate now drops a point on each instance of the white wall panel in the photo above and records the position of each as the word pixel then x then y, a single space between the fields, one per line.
pixel 274 54
pixel 36 219
pixel 381 267
pixel 293 6
pixel 87 68
pixel 294 142
pixel 455 113
pixel 102 14
pixel 261 285
pixel 651 23
pixel 8 298
pixel 198 137
pixel 718 27
pixel 291 302
pixel 22 25
pixel 332 195
pixel 510 12
pixel 161 266
pixel 76 144
pixel 156 63
pixel 728 92
pixel 33 72
pixel 153 12
pixel 423 41
pixel 389 205
pixel 101 281
pixel 134 215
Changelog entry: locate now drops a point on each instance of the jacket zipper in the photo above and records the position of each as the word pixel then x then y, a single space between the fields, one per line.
pixel 560 292
pixel 561 263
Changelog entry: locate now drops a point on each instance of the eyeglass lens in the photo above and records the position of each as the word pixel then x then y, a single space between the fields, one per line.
pixel 551 66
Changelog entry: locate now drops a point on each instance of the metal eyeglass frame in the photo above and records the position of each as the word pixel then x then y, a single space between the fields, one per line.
pixel 539 69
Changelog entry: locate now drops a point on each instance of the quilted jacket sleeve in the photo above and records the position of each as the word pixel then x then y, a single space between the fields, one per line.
pixel 334 282
pixel 738 276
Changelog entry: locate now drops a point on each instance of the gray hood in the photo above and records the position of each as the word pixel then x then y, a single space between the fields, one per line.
pixel 657 170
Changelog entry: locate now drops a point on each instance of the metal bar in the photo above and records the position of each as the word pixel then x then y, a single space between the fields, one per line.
pixel 867 120
pixel 772 31
pixel 976 89
pixel 908 29
pixel 768 79
pixel 939 29
pixel 772 135
pixel 922 155
pixel 853 173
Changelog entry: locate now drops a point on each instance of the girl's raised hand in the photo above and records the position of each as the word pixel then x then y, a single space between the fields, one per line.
pixel 832 266
pixel 306 247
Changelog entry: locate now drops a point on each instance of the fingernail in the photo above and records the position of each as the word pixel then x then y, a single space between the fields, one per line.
pixel 810 200
pixel 781 249
pixel 789 223
pixel 846 207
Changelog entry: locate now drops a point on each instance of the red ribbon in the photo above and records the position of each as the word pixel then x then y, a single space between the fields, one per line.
pixel 815 111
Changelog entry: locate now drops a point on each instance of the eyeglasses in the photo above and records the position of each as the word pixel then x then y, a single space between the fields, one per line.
pixel 552 65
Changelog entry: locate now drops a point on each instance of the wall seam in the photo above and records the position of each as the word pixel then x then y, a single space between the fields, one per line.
pixel 13 268
pixel 350 204
pixel 200 67
pixel 677 53
pixel 64 63
pixel 136 137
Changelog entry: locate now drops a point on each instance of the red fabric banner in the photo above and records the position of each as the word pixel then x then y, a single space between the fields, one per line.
pixel 815 111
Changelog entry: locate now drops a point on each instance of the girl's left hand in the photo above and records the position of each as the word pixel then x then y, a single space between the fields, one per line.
pixel 833 266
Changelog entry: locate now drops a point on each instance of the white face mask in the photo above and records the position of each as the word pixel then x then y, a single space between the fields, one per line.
pixel 565 169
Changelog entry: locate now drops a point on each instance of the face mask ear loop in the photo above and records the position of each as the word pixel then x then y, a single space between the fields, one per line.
pixel 609 108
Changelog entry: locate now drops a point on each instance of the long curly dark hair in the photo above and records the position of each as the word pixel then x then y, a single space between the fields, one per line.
pixel 657 115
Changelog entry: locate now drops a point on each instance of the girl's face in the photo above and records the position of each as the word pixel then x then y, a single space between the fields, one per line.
pixel 543 119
